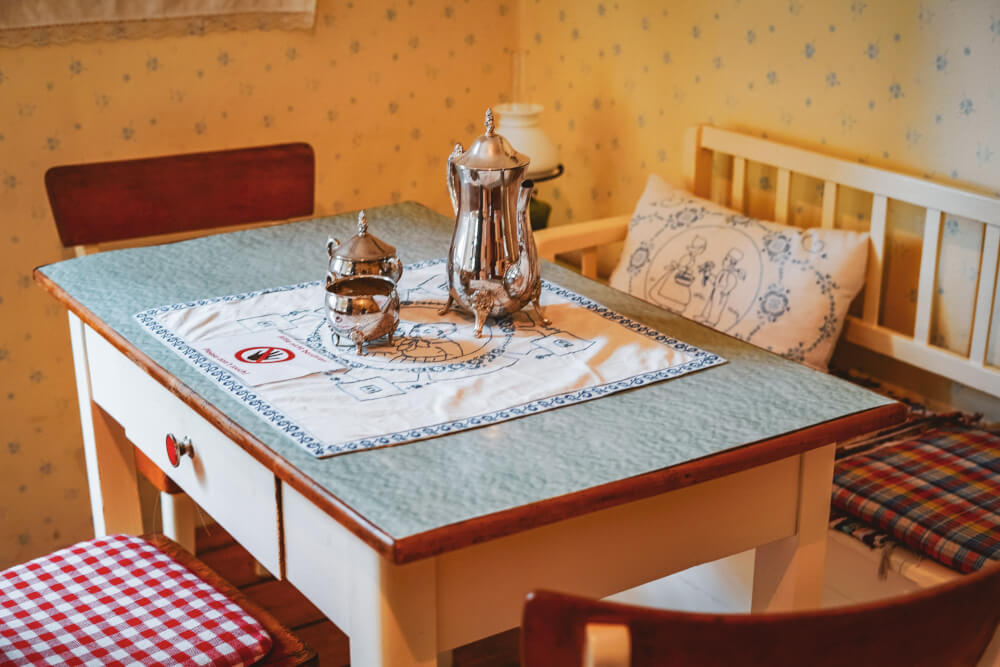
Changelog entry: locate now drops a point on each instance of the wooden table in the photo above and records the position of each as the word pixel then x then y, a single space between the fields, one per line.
pixel 413 550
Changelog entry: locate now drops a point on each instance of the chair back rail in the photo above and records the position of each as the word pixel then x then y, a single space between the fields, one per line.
pixel 949 625
pixel 111 201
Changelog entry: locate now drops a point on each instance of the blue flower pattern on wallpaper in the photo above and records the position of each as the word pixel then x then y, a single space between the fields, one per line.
pixel 911 92
pixel 90 101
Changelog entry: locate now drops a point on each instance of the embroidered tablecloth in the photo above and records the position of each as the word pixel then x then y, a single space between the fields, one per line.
pixel 274 351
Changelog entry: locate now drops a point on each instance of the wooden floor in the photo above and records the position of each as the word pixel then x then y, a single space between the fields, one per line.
pixel 720 587
pixel 221 553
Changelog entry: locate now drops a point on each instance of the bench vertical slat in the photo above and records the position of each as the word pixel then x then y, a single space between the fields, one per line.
pixel 588 263
pixel 984 295
pixel 829 204
pixel 739 184
pixel 876 260
pixel 781 196
pixel 697 164
pixel 928 272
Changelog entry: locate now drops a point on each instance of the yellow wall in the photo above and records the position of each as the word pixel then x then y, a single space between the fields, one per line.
pixel 912 86
pixel 382 91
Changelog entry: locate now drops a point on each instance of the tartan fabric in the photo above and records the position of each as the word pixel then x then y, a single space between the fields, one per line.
pixel 871 537
pixel 119 600
pixel 938 493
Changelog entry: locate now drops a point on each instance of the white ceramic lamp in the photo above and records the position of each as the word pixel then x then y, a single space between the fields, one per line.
pixel 519 123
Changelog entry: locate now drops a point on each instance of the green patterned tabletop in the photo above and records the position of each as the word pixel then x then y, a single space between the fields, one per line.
pixel 424 485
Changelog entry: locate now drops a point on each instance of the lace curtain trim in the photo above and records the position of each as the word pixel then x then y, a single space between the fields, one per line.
pixel 43 22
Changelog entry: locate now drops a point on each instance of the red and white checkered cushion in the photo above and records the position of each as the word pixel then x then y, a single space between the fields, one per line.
pixel 119 600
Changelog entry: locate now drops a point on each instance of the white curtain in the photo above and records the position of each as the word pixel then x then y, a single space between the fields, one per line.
pixel 40 22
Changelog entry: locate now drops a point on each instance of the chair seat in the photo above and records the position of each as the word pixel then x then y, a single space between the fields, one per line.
pixel 120 600
pixel 938 493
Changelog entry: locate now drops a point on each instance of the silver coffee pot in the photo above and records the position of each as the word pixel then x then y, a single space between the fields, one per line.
pixel 493 262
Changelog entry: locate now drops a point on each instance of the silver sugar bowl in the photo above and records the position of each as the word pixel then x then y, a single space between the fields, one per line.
pixel 493 262
pixel 361 308
pixel 363 255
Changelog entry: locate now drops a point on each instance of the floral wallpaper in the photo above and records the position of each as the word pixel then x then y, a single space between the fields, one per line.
pixel 382 90
pixel 909 85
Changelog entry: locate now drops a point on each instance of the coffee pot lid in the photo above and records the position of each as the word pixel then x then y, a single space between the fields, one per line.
pixel 491 151
pixel 363 246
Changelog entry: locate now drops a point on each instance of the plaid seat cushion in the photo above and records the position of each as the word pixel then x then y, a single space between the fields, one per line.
pixel 119 600
pixel 938 493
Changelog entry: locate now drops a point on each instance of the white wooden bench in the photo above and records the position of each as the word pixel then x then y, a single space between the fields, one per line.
pixel 865 330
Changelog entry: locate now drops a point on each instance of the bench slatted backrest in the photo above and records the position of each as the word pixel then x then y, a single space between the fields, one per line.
pixel 112 201
pixel 970 369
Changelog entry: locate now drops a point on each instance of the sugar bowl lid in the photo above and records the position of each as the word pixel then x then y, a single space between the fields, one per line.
pixel 491 151
pixel 364 247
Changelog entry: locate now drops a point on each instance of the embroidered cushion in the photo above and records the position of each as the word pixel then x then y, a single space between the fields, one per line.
pixel 119 600
pixel 786 289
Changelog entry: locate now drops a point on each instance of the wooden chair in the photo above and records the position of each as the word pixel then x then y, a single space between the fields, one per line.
pixel 147 610
pixel 287 650
pixel 946 626
pixel 125 200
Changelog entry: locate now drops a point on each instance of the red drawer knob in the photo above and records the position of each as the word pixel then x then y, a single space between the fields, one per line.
pixel 178 448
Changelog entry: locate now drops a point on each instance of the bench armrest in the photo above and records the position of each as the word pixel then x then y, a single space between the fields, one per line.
pixel 585 236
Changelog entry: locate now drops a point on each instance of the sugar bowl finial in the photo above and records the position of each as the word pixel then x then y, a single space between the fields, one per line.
pixel 489 123
pixel 362 223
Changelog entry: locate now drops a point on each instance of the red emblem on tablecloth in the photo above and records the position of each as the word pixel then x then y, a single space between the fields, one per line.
pixel 264 354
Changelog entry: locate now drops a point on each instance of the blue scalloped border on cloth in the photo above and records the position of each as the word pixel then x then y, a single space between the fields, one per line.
pixel 148 318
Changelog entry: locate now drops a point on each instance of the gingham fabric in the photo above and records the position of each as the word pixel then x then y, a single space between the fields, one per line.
pixel 938 493
pixel 119 600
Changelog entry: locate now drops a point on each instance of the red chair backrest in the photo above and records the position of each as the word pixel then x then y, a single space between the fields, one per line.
pixel 945 626
pixel 113 201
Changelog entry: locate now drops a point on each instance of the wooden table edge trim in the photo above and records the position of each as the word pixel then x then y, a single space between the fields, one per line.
pixel 507 522
pixel 499 524
pixel 286 472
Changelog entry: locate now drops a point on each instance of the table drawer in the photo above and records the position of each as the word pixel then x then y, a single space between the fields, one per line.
pixel 237 490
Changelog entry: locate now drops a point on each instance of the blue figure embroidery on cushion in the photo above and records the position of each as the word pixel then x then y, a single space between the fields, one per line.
pixel 706 270
pixel 675 285
pixel 687 267
pixel 725 282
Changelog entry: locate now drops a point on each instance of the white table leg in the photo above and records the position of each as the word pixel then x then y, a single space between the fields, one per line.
pixel 388 611
pixel 111 474
pixel 178 514
pixel 788 573
pixel 395 617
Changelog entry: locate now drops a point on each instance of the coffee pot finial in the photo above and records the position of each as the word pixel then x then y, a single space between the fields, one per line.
pixel 490 127
pixel 362 223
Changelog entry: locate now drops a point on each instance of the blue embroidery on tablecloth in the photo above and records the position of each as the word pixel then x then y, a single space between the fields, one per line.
pixel 249 397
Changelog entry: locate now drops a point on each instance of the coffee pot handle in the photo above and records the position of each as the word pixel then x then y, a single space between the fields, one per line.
pixel 451 176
